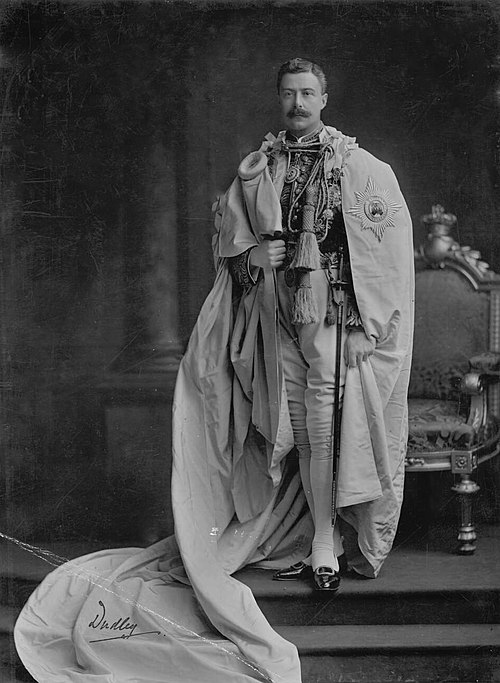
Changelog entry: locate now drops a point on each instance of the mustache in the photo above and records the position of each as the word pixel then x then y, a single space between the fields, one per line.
pixel 296 111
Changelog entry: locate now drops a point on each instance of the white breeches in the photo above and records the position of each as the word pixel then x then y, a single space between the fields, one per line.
pixel 309 369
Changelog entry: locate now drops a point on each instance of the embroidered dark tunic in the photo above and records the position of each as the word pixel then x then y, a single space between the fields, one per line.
pixel 330 229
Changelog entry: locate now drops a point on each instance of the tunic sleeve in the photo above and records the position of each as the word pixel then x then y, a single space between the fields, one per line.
pixel 240 270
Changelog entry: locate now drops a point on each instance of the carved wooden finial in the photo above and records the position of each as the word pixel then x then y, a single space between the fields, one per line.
pixel 440 245
pixel 440 222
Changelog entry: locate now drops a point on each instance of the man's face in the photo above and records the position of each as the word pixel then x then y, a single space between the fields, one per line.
pixel 301 102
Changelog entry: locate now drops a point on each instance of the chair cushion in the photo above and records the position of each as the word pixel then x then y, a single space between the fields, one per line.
pixel 436 425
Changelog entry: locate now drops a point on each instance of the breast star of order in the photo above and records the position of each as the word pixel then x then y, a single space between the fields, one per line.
pixel 375 209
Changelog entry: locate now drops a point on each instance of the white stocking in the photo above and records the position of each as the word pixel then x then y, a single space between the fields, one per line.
pixel 323 554
pixel 305 474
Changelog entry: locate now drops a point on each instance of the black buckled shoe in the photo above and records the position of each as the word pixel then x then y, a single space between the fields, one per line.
pixel 294 573
pixel 326 580
pixel 300 570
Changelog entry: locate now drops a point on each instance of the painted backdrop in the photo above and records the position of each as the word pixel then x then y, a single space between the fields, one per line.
pixel 121 123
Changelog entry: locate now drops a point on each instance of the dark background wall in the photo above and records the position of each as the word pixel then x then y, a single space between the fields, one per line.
pixel 415 82
pixel 121 123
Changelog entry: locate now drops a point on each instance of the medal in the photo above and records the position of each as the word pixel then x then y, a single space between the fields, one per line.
pixel 292 174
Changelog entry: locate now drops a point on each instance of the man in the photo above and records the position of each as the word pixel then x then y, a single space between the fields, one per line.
pixel 312 226
pixel 308 166
pixel 260 377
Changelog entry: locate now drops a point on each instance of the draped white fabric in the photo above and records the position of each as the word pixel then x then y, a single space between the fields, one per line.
pixel 144 616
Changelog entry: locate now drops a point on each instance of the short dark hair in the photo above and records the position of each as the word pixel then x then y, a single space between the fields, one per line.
pixel 298 65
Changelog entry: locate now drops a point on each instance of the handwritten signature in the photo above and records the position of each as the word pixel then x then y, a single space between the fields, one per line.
pixel 123 625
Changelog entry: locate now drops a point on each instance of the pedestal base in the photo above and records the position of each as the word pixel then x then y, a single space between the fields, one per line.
pixel 138 457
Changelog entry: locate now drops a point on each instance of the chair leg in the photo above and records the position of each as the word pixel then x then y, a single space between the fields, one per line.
pixel 465 489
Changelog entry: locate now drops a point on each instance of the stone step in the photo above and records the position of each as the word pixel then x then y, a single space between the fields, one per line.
pixel 8 616
pixel 22 566
pixel 361 639
pixel 416 585
pixel 429 616
pixel 390 654
pixel 291 603
pixel 11 667
pixel 396 668
pixel 451 652
pixel 361 653
pixel 21 570
pixel 15 590
pixel 365 602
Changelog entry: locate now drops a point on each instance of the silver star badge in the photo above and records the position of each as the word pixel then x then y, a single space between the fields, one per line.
pixel 375 209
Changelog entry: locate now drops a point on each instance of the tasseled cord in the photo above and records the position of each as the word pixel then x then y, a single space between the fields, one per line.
pixel 306 258
pixel 307 255
pixel 304 309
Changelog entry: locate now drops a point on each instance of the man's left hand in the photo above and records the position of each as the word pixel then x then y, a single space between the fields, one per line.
pixel 358 348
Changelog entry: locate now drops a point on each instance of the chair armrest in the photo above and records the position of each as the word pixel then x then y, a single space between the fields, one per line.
pixel 484 370
pixel 472 383
pixel 487 363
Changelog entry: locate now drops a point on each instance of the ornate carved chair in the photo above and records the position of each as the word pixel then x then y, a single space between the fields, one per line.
pixel 454 405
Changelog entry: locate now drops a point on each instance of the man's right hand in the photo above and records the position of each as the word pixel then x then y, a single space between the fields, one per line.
pixel 268 254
